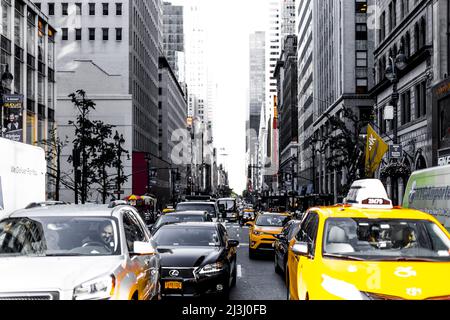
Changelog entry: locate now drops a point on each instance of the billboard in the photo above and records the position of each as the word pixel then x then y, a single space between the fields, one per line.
pixel 13 117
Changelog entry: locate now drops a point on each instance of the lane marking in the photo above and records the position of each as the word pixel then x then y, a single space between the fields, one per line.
pixel 239 271
pixel 244 244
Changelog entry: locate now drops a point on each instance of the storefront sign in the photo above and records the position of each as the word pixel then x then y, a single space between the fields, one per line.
pixel 395 151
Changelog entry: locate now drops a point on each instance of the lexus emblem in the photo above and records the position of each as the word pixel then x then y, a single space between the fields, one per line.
pixel 174 273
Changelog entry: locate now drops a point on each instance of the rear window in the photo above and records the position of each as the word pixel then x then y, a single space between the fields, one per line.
pixel 198 207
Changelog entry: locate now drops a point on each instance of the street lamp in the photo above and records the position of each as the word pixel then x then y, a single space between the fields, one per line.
pixel 119 140
pixel 392 70
pixel 5 83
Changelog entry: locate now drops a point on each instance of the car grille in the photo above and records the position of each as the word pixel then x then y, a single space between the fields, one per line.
pixel 37 296
pixel 184 273
pixel 267 246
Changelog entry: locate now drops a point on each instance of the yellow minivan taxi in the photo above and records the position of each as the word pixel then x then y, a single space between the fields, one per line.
pixel 263 230
pixel 369 250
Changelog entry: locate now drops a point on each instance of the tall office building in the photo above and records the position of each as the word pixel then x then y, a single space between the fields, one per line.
pixel 307 45
pixel 342 74
pixel 173 24
pixel 121 41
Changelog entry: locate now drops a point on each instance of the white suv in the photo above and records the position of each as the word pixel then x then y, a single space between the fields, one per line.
pixel 77 253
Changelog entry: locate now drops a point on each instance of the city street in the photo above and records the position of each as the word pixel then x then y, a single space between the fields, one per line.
pixel 257 279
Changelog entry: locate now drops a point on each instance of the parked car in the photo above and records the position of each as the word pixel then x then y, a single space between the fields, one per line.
pixel 211 207
pixel 281 244
pixel 179 217
pixel 197 259
pixel 76 252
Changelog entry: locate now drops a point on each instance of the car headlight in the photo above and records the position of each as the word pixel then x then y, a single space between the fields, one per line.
pixel 99 288
pixel 212 268
pixel 342 289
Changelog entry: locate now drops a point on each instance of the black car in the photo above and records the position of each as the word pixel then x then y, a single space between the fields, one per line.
pixel 281 245
pixel 180 217
pixel 197 260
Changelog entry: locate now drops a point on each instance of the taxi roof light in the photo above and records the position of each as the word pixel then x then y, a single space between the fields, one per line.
pixel 368 194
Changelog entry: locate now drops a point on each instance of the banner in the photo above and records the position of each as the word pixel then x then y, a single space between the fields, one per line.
pixel 13 117
pixel 375 150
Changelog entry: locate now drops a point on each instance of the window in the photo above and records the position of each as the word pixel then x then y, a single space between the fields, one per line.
pixel 361 31
pixel 51 9
pixel 105 34
pixel 361 85
pixel 92 9
pixel 361 6
pixel 38 4
pixel 91 34
pixel 105 9
pixel 382 26
pixel 65 34
pixel 78 34
pixel 421 100
pixel 119 9
pixel 308 231
pixel 119 34
pixel 78 7
pixel 405 102
pixel 361 58
pixel 65 9
pixel 133 231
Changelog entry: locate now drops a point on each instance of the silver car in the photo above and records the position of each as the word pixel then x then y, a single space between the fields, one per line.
pixel 77 253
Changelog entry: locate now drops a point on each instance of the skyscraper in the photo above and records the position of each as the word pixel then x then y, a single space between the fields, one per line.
pixel 173 24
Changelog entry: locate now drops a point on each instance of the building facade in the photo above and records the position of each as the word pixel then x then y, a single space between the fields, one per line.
pixel 173 24
pixel 124 39
pixel 286 75
pixel 28 53
pixel 417 29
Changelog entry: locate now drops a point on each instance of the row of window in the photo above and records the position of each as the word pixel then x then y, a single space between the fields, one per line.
pixel 79 8
pixel 388 21
pixel 92 34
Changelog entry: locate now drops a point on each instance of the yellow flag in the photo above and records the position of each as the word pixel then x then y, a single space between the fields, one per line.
pixel 375 150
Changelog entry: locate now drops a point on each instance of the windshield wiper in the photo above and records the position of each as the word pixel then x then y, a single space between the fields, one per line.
pixel 341 256
pixel 412 259
pixel 63 255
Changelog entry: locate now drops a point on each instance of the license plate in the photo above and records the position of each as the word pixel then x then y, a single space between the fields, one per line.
pixel 174 285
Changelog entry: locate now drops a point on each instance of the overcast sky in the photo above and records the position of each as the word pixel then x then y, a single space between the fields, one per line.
pixel 229 24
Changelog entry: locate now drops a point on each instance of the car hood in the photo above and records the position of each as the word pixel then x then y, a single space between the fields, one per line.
pixel 269 230
pixel 405 280
pixel 25 274
pixel 188 257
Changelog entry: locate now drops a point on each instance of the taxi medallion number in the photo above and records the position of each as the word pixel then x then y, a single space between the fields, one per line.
pixel 174 285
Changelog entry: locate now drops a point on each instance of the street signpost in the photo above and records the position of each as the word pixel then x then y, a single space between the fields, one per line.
pixel 395 151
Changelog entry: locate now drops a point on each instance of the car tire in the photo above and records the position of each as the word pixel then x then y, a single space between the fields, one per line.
pixel 234 275
pixel 251 254
pixel 277 266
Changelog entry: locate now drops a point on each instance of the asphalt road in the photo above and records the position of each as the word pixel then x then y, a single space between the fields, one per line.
pixel 257 279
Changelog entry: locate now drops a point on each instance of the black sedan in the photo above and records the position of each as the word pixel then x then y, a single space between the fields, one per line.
pixel 281 245
pixel 180 217
pixel 197 259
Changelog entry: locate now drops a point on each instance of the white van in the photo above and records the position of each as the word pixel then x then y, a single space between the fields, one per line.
pixel 429 191
pixel 23 170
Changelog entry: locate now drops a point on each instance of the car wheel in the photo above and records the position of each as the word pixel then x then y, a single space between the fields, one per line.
pixel 234 275
pixel 277 266
pixel 251 254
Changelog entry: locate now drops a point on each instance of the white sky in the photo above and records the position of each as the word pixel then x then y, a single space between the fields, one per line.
pixel 229 24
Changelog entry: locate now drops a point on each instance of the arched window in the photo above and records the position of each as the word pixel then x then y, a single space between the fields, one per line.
pixel 421 163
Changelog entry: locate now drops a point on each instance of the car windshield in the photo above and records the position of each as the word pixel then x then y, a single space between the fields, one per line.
pixel 57 236
pixel 230 205
pixel 187 237
pixel 385 240
pixel 197 207
pixel 174 218
pixel 272 221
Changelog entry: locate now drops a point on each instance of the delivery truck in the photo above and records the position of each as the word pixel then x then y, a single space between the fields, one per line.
pixel 429 191
pixel 23 171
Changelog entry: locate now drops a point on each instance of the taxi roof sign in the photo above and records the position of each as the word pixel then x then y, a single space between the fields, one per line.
pixel 369 193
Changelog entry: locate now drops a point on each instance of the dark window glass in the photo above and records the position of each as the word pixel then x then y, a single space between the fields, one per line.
pixel 119 34
pixel 78 7
pixel 65 9
pixel 65 34
pixel 91 33
pixel 78 34
pixel 105 9
pixel 51 9
pixel 180 237
pixel 92 9
pixel 308 231
pixel 119 9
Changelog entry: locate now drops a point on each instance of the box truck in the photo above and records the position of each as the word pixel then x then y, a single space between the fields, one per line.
pixel 429 191
pixel 23 171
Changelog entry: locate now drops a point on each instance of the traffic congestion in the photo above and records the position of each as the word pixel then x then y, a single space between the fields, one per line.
pixel 226 249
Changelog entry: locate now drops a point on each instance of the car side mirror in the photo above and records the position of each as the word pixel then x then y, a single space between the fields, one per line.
pixel 143 249
pixel 233 243
pixel 300 249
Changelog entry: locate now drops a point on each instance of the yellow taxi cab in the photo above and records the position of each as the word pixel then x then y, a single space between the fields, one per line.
pixel 168 210
pixel 367 249
pixel 263 230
